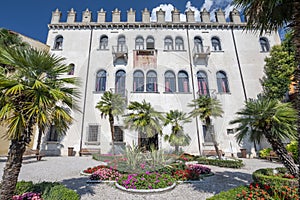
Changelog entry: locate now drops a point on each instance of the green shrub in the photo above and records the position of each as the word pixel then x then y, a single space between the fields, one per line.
pixel 266 176
pixel 221 163
pixel 265 152
pixel 293 148
pixel 62 193
pixel 48 190
pixel 230 194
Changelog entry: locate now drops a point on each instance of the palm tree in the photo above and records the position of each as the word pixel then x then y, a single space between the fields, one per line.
pixel 271 119
pixel 34 87
pixel 111 105
pixel 273 14
pixel 177 138
pixel 144 119
pixel 206 107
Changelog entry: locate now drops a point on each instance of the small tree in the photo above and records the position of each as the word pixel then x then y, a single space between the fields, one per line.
pixel 111 105
pixel 177 137
pixel 34 87
pixel 206 107
pixel 143 118
pixel 272 119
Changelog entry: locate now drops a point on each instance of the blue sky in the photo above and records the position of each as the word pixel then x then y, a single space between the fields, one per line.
pixel 30 17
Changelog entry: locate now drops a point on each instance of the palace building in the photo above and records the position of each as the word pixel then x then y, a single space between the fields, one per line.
pixel 165 63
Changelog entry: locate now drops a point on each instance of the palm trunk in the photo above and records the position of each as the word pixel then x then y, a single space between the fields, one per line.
pixel 296 40
pixel 12 168
pixel 283 155
pixel 38 145
pixel 112 129
pixel 211 131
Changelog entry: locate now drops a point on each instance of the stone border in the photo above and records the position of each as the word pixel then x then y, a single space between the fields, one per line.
pixel 145 190
pixel 99 181
pixel 84 174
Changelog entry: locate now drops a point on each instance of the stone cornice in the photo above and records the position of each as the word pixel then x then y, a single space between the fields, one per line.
pixel 151 25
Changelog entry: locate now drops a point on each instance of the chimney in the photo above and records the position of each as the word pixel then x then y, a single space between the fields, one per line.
pixel 235 16
pixel 86 16
pixel 55 16
pixel 116 15
pixel 220 16
pixel 131 15
pixel 190 17
pixel 101 16
pixel 145 16
pixel 175 15
pixel 205 16
pixel 71 16
pixel 160 15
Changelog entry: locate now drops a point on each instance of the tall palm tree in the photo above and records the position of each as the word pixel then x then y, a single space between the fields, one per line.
pixel 177 138
pixel 206 107
pixel 111 105
pixel 144 119
pixel 271 119
pixel 34 87
pixel 273 14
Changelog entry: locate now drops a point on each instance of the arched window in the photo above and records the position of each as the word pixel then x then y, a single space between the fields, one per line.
pixel 168 43
pixel 202 83
pixel 104 42
pixel 138 81
pixel 150 42
pixel 183 81
pixel 264 44
pixel 101 81
pixel 120 82
pixel 170 83
pixel 151 80
pixel 72 69
pixel 222 82
pixel 198 45
pixel 179 43
pixel 139 43
pixel 121 43
pixel 58 42
pixel 216 44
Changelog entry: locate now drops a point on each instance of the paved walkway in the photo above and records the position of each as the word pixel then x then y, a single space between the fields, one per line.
pixel 66 170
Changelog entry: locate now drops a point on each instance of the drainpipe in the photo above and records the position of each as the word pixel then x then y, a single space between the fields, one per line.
pixel 239 64
pixel 85 91
pixel 193 87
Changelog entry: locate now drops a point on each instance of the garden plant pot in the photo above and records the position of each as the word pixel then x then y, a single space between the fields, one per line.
pixel 70 151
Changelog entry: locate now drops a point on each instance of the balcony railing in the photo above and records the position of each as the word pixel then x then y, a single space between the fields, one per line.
pixel 201 51
pixel 211 93
pixel 120 52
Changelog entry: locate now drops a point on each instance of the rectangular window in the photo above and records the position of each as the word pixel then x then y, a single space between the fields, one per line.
pixel 119 134
pixel 52 135
pixel 93 135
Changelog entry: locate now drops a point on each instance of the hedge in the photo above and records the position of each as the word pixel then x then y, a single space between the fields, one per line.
pixel 228 195
pixel 221 163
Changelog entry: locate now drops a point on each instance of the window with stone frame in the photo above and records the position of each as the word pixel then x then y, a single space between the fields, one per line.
pixel 183 81
pixel 179 44
pixel 93 135
pixel 216 44
pixel 103 42
pixel 58 42
pixel 139 43
pixel 170 82
pixel 168 43
pixel 222 82
pixel 138 81
pixel 151 81
pixel 264 44
pixel 119 134
pixel 101 81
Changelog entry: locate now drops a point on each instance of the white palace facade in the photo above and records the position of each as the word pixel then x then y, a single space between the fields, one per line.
pixel 165 63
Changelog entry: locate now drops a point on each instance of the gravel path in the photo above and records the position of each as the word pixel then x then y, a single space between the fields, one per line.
pixel 66 170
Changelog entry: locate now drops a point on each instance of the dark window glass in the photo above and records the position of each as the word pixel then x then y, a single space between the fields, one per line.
pixel 170 85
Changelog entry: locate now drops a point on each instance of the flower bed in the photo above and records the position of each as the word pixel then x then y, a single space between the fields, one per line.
pixel 105 174
pixel 91 170
pixel 146 181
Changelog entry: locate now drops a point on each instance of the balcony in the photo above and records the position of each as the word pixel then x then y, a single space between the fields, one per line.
pixel 120 54
pixel 211 93
pixel 201 52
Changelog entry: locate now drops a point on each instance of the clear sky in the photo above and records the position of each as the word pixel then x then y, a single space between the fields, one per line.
pixel 31 17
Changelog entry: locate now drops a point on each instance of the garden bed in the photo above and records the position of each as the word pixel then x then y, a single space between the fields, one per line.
pixel 146 190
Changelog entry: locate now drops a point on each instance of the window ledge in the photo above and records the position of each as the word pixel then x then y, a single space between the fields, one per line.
pixel 177 92
pixel 220 51
pixel 118 143
pixel 56 49
pixel 222 93
pixel 92 143
pixel 145 92
pixel 264 51
pixel 102 49
pixel 98 92
pixel 52 142
pixel 208 144
pixel 173 50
